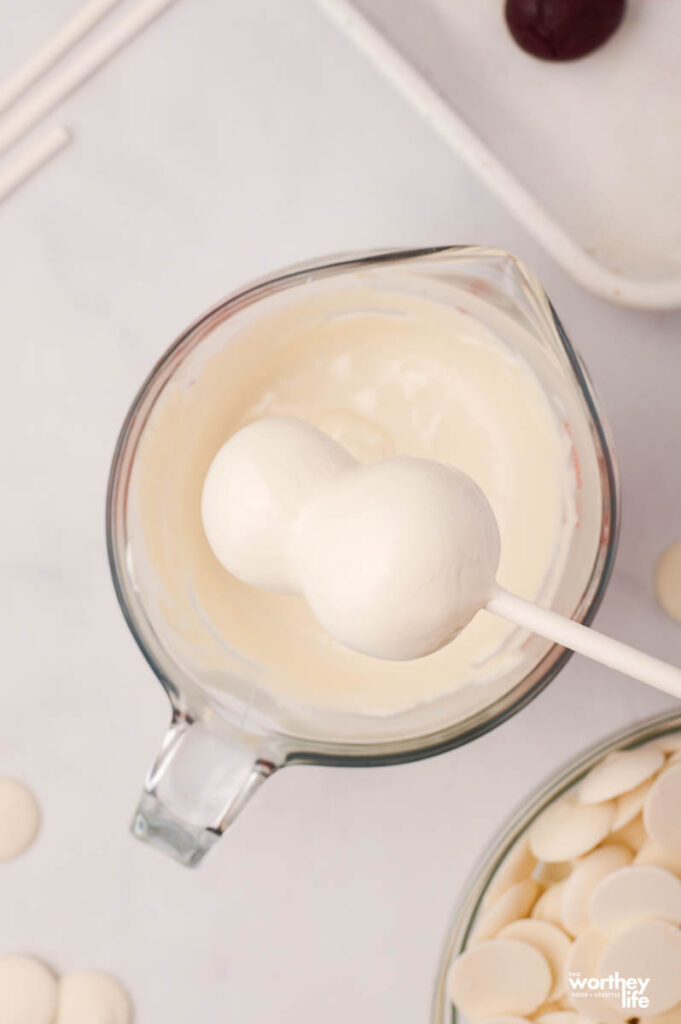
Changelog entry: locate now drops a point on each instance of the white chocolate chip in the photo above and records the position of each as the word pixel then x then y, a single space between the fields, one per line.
pixel 551 942
pixel 620 772
pixel 28 991
pixel 569 828
pixel 502 976
pixel 647 949
pixel 586 875
pixel 634 893
pixel 662 811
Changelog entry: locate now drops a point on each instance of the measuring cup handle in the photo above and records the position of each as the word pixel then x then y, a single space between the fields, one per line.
pixel 198 784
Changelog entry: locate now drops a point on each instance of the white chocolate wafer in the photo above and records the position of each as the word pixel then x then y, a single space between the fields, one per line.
pixel 633 834
pixel 668 580
pixel 647 949
pixel 662 811
pixel 672 1016
pixel 629 805
pixel 582 963
pixel 28 991
pixel 635 893
pixel 570 828
pixel 651 853
pixel 502 976
pixel 514 903
pixel 88 997
pixel 586 875
pixel 562 1017
pixel 551 942
pixel 620 772
pixel 517 865
pixel 19 818
pixel 550 904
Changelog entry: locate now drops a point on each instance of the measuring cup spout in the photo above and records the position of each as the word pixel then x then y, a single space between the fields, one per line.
pixel 198 784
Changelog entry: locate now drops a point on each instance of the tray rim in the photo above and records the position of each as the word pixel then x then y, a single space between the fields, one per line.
pixel 458 136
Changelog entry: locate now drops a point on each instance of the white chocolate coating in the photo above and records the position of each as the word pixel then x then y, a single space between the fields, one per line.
pixel 382 373
pixel 254 491
pixel 397 557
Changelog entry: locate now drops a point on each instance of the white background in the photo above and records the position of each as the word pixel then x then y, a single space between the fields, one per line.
pixel 230 139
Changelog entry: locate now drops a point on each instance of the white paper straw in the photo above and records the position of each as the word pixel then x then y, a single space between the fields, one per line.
pixel 32 159
pixel 51 51
pixel 18 122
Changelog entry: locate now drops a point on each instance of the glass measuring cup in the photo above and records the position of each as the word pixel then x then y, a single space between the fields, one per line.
pixel 228 733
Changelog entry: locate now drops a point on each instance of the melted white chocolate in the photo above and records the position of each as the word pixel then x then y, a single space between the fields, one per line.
pixel 384 375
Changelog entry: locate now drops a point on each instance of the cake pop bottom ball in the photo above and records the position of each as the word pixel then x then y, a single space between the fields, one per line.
pixel 395 558
pixel 254 491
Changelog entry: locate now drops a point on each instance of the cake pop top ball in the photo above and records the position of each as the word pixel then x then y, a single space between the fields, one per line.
pixel 254 491
pixel 395 558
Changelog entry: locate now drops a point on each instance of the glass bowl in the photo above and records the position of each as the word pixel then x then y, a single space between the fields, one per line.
pixel 565 778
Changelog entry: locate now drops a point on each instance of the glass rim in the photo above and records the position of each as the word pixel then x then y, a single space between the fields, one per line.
pixel 379 752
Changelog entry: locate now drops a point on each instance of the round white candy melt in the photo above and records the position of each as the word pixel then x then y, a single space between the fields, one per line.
pixel 651 853
pixel 662 810
pixel 620 772
pixel 569 828
pixel 582 964
pixel 549 906
pixel 551 942
pixel 254 491
pixel 633 834
pixel 633 893
pixel 397 557
pixel 647 950
pixel 517 901
pixel 92 997
pixel 517 865
pixel 19 818
pixel 629 805
pixel 28 991
pixel 668 580
pixel 502 976
pixel 581 883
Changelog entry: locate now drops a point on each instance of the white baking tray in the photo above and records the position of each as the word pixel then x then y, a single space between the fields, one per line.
pixel 586 154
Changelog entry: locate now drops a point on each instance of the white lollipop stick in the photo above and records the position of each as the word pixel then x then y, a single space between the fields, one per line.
pixel 587 641
pixel 32 159
pixel 50 52
pixel 73 74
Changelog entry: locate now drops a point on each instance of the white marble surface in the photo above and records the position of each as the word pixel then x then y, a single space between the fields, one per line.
pixel 229 140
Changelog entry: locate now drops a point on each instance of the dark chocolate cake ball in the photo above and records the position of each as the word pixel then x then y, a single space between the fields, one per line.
pixel 562 29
